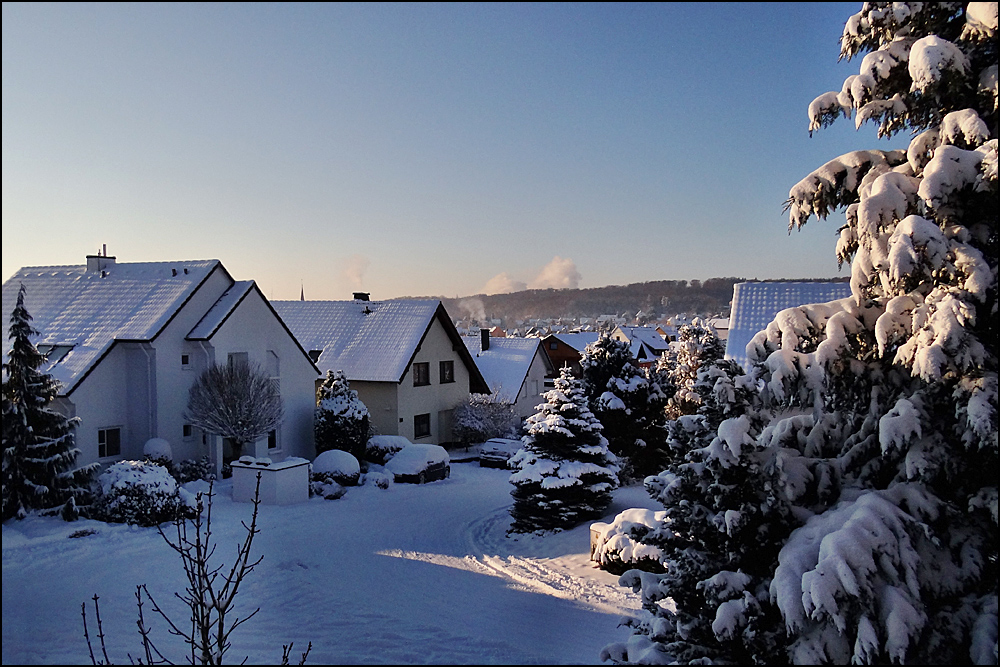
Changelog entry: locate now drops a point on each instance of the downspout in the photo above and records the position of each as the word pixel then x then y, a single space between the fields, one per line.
pixel 151 390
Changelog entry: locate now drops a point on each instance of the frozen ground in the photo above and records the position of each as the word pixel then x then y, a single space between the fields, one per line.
pixel 412 574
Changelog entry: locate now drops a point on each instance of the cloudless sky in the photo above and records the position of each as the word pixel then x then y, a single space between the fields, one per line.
pixel 418 150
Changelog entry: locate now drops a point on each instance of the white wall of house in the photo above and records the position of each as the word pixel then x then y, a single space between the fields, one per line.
pixel 436 399
pixel 252 328
pixel 382 401
pixel 534 384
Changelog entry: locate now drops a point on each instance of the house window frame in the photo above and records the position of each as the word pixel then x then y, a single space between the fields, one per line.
pixel 422 426
pixel 273 440
pixel 186 362
pixel 446 371
pixel 187 432
pixel 421 374
pixel 102 442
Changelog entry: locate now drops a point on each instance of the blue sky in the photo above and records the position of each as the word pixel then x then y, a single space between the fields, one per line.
pixel 421 149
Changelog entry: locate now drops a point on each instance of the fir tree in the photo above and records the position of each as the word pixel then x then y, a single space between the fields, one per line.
pixel 859 485
pixel 39 451
pixel 565 473
pixel 697 344
pixel 342 420
pixel 629 404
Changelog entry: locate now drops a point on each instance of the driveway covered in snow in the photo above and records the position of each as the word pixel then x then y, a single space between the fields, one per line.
pixel 412 574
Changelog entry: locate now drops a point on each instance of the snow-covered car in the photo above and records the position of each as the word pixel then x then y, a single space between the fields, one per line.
pixel 496 452
pixel 419 463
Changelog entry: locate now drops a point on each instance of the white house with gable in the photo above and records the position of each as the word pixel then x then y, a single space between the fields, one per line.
pixel 405 359
pixel 126 341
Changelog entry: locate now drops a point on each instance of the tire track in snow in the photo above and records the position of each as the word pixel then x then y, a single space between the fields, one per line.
pixel 487 541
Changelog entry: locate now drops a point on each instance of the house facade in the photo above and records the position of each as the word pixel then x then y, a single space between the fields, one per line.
pixel 645 343
pixel 405 359
pixel 127 341
pixel 514 368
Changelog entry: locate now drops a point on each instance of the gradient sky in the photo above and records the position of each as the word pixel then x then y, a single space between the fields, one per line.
pixel 418 150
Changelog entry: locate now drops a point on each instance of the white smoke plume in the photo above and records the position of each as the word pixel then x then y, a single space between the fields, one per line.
pixel 558 274
pixel 503 284
pixel 473 308
pixel 354 271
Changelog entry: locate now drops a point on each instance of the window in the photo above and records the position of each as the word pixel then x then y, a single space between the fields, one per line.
pixel 421 374
pixel 186 362
pixel 447 371
pixel 553 345
pixel 421 426
pixel 239 358
pixel 188 431
pixel 272 439
pixel 109 442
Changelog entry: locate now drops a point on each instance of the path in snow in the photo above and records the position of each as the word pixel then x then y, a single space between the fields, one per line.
pixel 414 574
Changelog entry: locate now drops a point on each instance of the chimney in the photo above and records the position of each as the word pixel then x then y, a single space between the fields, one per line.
pixel 484 336
pixel 361 296
pixel 100 263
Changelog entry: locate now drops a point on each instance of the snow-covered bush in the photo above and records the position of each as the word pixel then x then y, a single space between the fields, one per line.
pixel 190 470
pixel 379 478
pixel 846 509
pixel 483 416
pixel 138 492
pixel 336 466
pixel 619 545
pixel 342 420
pixel 565 472
pixel 158 451
pixel 382 447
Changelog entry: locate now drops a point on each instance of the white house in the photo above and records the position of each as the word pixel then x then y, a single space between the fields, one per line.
pixel 514 368
pixel 127 340
pixel 645 343
pixel 405 359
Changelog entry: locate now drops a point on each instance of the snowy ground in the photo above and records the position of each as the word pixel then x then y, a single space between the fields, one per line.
pixel 412 574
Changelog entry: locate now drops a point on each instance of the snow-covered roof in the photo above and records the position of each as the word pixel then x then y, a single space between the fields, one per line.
pixel 372 341
pixel 222 308
pixel 86 311
pixel 579 341
pixel 505 364
pixel 755 305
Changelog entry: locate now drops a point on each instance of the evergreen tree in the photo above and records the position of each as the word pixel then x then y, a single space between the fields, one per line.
pixel 697 344
pixel 342 420
pixel 629 404
pixel 859 485
pixel 39 451
pixel 565 473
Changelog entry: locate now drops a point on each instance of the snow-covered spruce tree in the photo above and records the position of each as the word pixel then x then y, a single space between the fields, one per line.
pixel 565 472
pixel 877 464
pixel 697 344
pixel 39 448
pixel 629 404
pixel 341 418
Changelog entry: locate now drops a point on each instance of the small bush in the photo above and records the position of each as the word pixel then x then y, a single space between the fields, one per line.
pixel 338 466
pixel 321 485
pixel 381 448
pixel 139 493
pixel 191 470
pixel 619 546
pixel 380 479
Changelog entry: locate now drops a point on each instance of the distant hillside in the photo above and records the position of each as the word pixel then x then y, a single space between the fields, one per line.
pixel 670 297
